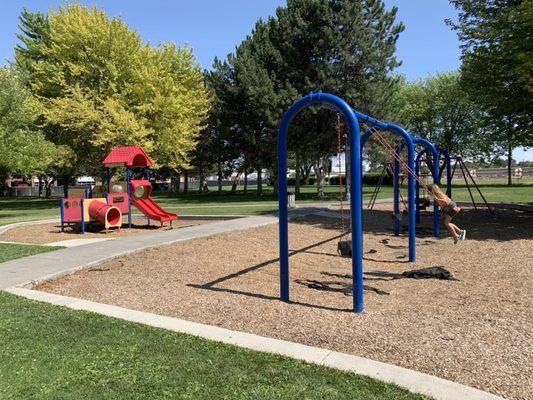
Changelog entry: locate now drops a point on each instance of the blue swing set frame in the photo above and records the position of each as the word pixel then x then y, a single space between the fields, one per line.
pixel 356 143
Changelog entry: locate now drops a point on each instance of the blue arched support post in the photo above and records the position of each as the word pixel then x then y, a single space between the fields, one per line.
pixel 339 105
pixel 448 165
pixel 396 183
pixel 410 194
pixel 411 181
pixel 428 147
pixel 128 189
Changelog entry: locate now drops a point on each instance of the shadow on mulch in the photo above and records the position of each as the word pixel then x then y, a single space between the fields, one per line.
pixel 506 224
pixel 330 286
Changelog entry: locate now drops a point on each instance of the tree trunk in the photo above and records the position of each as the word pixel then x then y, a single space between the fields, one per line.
pixel 185 181
pixel 259 181
pixel 178 182
pixel 40 186
pixel 298 178
pixel 174 181
pixel 509 164
pixel 306 172
pixel 245 181
pixel 65 187
pixel 200 180
pixel 219 176
pixel 320 177
pixel 48 188
pixel 235 182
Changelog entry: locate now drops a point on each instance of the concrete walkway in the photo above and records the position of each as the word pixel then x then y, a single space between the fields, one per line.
pixel 41 267
pixel 78 242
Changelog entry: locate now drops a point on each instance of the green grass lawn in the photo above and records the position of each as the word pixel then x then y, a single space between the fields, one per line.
pixel 51 352
pixel 20 209
pixel 10 251
pixel 240 203
pixel 496 193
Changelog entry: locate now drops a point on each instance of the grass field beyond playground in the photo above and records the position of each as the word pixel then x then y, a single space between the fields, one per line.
pixel 226 203
pixel 51 352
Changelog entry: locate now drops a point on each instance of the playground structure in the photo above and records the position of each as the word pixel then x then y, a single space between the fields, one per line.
pixel 86 211
pixel 354 119
pixel 81 207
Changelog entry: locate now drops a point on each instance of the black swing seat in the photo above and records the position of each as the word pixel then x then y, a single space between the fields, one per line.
pixel 424 203
pixel 344 248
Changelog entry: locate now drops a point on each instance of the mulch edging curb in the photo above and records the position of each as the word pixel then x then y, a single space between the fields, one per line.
pixel 416 382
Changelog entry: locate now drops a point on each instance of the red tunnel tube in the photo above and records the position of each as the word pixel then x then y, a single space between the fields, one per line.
pixel 104 213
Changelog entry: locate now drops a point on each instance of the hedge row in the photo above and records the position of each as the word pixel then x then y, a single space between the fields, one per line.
pixel 370 179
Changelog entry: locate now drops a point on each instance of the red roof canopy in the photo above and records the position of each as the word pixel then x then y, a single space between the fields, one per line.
pixel 128 156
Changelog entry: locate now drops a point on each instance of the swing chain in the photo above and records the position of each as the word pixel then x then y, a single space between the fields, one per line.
pixel 339 151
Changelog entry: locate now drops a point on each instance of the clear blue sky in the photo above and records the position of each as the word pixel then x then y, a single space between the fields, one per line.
pixel 213 28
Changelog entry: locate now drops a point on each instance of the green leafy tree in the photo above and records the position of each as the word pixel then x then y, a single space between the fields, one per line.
pixel 440 109
pixel 497 56
pixel 99 87
pixel 24 151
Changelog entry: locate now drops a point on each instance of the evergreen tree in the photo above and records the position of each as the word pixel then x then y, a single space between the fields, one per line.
pixel 340 46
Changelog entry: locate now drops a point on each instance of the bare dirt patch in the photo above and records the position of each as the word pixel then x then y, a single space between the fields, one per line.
pixel 50 233
pixel 476 330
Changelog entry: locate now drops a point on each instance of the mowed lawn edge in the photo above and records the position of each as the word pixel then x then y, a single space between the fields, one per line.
pixel 54 352
pixel 12 251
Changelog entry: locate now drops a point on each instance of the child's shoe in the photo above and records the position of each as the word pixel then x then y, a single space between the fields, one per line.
pixel 456 240
pixel 463 234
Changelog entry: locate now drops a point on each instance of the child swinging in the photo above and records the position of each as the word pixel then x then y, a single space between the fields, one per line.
pixel 450 209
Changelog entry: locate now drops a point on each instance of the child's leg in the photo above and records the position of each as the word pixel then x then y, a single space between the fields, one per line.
pixel 448 225
pixel 455 228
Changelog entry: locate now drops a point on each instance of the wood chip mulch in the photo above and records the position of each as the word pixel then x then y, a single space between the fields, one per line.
pixel 50 233
pixel 476 330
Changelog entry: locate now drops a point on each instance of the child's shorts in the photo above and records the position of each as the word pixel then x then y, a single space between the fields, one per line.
pixel 451 209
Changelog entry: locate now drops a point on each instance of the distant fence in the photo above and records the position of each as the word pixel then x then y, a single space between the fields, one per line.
pixel 57 191
pixel 494 173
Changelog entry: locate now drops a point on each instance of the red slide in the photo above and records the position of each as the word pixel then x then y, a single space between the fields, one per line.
pixel 152 210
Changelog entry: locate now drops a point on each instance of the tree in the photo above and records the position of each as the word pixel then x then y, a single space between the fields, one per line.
pixel 100 87
pixel 23 150
pixel 174 104
pixel 342 47
pixel 339 46
pixel 497 62
pixel 439 108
